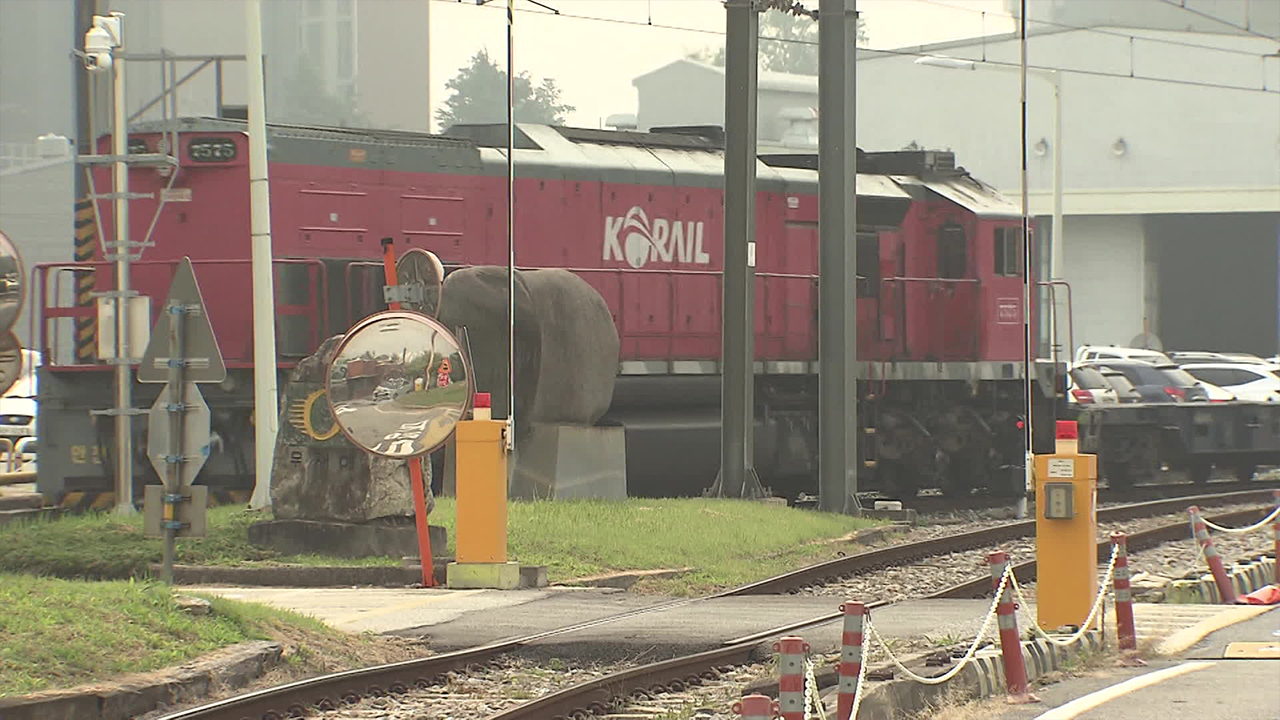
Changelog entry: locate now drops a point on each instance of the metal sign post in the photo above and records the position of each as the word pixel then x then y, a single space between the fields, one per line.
pixel 178 440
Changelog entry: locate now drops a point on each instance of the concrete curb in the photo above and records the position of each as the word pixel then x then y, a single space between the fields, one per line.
pixel 984 677
pixel 135 695
pixel 1247 576
pixel 303 575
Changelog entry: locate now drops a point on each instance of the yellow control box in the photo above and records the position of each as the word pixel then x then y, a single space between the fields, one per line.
pixel 482 492
pixel 1066 537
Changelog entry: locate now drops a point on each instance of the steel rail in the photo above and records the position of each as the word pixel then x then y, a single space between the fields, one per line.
pixel 601 695
pixel 850 565
pixel 332 690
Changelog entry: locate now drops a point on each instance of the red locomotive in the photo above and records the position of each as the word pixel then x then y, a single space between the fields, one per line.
pixel 639 217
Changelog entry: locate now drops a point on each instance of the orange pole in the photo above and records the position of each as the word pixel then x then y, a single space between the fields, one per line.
pixel 415 464
pixel 424 527
pixel 389 266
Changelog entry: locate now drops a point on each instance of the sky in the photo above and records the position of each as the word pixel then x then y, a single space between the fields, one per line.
pixel 595 47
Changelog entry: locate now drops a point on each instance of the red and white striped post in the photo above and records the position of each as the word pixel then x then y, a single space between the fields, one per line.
pixel 756 707
pixel 791 654
pixel 1015 673
pixel 1275 532
pixel 850 658
pixel 1226 590
pixel 1124 595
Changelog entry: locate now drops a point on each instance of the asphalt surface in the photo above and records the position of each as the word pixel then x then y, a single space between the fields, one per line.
pixel 1198 684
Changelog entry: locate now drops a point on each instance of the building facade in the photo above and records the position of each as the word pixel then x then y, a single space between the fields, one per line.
pixel 330 62
pixel 1171 159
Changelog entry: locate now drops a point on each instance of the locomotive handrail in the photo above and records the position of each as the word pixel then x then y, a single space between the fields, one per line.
pixel 957 281
pixel 39 277
pixel 1053 285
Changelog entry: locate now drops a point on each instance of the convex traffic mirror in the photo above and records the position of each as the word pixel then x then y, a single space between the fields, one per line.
pixel 398 384
pixel 11 285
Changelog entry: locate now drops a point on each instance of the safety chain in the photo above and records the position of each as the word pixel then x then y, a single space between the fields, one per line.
pixel 811 699
pixel 1256 526
pixel 968 656
pixel 1024 606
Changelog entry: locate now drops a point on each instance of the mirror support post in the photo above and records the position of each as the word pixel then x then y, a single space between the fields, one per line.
pixel 415 463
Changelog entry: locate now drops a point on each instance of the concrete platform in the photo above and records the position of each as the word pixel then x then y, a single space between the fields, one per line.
pixel 454 619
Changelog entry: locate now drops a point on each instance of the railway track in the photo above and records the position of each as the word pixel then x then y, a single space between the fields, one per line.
pixel 331 692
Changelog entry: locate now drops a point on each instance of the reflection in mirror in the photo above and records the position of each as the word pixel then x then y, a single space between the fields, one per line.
pixel 422 268
pixel 10 361
pixel 398 384
pixel 11 285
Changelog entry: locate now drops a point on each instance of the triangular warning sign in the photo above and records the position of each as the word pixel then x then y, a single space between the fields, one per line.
pixel 204 361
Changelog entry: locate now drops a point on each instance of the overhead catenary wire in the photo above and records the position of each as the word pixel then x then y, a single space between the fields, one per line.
pixel 1182 5
pixel 1262 88
pixel 1096 30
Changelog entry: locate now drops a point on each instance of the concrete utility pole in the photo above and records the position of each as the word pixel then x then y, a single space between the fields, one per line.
pixel 737 391
pixel 82 20
pixel 838 256
pixel 265 413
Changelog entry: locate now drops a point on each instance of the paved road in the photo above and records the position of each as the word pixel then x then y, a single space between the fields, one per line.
pixel 1199 684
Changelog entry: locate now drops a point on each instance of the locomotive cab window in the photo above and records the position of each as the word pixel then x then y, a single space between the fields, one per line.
pixel 953 261
pixel 1008 252
pixel 868 265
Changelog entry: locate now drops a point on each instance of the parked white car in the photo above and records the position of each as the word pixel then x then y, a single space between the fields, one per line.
pixel 1250 382
pixel 1099 353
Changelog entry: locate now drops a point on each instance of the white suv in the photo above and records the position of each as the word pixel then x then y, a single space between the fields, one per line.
pixel 1250 382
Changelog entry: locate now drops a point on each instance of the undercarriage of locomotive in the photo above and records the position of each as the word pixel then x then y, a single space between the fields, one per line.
pixel 954 436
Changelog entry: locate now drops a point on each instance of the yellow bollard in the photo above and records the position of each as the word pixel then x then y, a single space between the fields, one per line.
pixel 482 508
pixel 1066 533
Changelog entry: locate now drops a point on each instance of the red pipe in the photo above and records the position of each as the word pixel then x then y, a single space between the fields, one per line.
pixel 756 707
pixel 791 651
pixel 1015 672
pixel 850 658
pixel 1124 595
pixel 1226 590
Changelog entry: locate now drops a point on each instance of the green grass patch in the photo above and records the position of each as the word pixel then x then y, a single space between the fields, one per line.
pixel 727 542
pixel 60 633
pixel 108 546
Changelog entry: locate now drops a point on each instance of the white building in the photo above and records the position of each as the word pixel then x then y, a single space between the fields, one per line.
pixel 1171 142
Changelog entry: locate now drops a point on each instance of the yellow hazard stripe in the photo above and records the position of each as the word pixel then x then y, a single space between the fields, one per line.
pixel 86 236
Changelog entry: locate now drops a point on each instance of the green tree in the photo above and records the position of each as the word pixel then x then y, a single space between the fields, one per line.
pixel 479 95
pixel 308 101
pixel 788 44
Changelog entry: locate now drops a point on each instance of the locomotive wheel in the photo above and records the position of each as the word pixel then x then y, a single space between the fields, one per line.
pixel 898 478
pixel 1199 471
pixel 1118 474
pixel 960 477
pixel 1245 472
